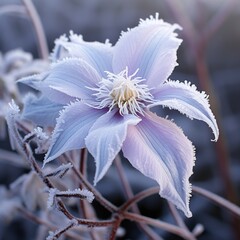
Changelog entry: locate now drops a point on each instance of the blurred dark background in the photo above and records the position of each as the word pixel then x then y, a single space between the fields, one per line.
pixel 209 57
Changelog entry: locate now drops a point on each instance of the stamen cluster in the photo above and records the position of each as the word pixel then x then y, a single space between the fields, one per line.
pixel 127 93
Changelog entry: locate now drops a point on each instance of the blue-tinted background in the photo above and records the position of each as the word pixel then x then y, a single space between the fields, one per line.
pixel 98 20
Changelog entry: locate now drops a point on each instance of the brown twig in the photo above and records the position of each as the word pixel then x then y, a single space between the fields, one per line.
pixel 159 224
pixel 217 199
pixel 98 196
pixel 129 195
pixel 83 204
pixel 179 220
pixel 28 215
pixel 42 42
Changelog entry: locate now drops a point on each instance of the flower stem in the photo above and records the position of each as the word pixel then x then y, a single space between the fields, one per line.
pixel 217 199
pixel 138 197
pixel 42 42
pixel 108 205
pixel 129 195
pixel 85 206
pixel 157 223
pixel 28 215
pixel 115 227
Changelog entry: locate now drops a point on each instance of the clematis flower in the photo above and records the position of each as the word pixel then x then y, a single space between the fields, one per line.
pixel 111 90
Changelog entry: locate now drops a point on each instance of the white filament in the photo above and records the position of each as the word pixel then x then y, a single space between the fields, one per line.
pixel 127 93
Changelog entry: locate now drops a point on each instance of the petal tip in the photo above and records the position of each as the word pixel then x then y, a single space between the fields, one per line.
pixel 188 213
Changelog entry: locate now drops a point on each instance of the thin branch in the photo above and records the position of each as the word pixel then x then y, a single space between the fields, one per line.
pixel 159 224
pixel 85 206
pixel 115 227
pixel 129 195
pixel 138 197
pixel 178 219
pixel 98 196
pixel 176 216
pixel 28 215
pixel 217 199
pixel 36 168
pixel 177 11
pixel 42 42
pixel 216 22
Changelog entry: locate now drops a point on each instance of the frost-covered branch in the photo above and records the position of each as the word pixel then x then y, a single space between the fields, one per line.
pixel 83 194
pixel 59 171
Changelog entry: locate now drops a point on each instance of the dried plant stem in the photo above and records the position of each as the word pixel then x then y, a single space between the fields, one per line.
pixel 157 223
pixel 61 206
pixel 198 48
pixel 42 42
pixel 36 168
pixel 28 215
pixel 180 221
pixel 217 20
pixel 176 8
pixel 83 204
pixel 83 160
pixel 217 199
pixel 98 196
pixel 115 227
pixel 221 146
pixel 129 194
pixel 138 197
pixel 176 216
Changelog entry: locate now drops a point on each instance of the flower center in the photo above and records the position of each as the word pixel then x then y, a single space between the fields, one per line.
pixel 123 90
pixel 127 93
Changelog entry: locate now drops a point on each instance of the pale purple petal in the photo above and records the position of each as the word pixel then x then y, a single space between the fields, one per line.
pixel 150 47
pixel 34 81
pixel 71 129
pixel 97 54
pixel 105 139
pixel 186 99
pixel 37 82
pixel 40 110
pixel 73 77
pixel 159 149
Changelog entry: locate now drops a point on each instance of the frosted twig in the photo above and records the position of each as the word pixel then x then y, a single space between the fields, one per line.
pixel 11 117
pixel 55 235
pixel 59 171
pixel 78 193
pixel 108 205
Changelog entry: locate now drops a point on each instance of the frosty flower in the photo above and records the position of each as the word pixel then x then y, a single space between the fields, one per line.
pixel 14 65
pixel 111 90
